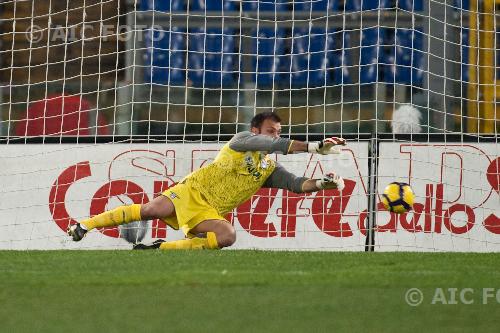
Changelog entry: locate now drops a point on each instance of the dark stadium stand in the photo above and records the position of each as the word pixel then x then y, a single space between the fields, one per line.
pixel 163 6
pixel 211 59
pixel 340 58
pixel 309 58
pixel 370 51
pixel 263 5
pixel 297 57
pixel 267 56
pixel 165 56
pixel 320 5
pixel 357 5
pixel 404 61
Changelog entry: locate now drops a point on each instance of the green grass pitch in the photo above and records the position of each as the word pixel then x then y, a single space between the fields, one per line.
pixel 243 291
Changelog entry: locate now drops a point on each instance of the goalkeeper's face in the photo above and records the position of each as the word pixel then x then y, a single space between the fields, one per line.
pixel 269 127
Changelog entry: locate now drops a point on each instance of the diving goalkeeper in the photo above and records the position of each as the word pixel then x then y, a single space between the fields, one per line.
pixel 197 204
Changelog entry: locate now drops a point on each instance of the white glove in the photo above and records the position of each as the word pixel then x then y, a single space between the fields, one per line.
pixel 326 146
pixel 330 181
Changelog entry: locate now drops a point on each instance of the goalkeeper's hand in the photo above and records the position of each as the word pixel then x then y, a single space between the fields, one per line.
pixel 326 146
pixel 330 181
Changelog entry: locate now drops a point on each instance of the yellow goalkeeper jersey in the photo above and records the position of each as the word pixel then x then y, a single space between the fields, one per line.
pixel 232 178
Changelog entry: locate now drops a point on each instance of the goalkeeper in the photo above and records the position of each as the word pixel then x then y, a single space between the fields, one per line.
pixel 197 204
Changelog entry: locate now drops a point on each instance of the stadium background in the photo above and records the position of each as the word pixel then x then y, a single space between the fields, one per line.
pixel 178 67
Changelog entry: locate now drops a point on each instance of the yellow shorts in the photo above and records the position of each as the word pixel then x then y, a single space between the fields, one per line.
pixel 190 209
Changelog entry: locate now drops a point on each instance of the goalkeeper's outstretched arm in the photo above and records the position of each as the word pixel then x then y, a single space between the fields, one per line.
pixel 248 141
pixel 281 178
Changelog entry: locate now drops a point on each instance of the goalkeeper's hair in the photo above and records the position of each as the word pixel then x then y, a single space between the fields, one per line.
pixel 259 118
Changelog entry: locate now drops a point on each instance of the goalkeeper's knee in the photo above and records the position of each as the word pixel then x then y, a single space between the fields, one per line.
pixel 227 237
pixel 159 207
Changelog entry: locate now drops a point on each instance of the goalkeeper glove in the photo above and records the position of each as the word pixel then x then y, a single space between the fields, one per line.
pixel 330 181
pixel 326 146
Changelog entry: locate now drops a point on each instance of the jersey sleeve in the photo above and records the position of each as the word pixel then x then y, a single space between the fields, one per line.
pixel 281 178
pixel 248 141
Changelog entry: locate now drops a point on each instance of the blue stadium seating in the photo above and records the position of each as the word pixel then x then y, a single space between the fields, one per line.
pixel 411 5
pixel 418 58
pixel 268 46
pixel 405 61
pixel 309 58
pixel 264 5
pixel 316 58
pixel 164 58
pixel 162 5
pixel 165 50
pixel 355 5
pixel 212 5
pixel 336 57
pixel 369 55
pixel 316 5
pixel 198 5
pixel 461 4
pixel 211 53
pixel 211 57
pixel 375 55
pixel 339 57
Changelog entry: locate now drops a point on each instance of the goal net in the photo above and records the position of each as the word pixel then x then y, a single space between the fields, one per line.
pixel 111 102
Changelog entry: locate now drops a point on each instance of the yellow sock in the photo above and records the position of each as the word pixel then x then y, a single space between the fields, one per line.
pixel 117 216
pixel 195 243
